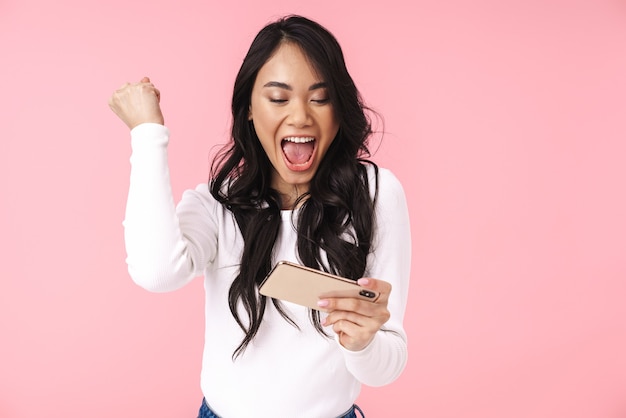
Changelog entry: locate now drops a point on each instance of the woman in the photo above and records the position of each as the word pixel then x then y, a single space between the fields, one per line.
pixel 291 185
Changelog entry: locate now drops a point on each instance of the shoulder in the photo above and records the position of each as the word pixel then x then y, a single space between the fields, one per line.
pixel 383 182
pixel 388 179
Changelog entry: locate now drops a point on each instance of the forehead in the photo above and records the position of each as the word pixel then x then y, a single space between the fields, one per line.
pixel 290 65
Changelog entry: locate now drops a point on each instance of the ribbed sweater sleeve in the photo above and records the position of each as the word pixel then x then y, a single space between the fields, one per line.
pixel 384 359
pixel 161 256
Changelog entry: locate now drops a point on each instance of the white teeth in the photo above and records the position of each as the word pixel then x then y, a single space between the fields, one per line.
pixel 299 139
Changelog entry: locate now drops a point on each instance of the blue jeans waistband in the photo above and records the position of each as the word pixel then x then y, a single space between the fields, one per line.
pixel 205 412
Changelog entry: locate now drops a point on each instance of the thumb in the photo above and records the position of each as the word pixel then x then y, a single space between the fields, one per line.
pixel 145 80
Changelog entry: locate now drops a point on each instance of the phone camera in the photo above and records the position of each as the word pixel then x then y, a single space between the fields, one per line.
pixel 367 293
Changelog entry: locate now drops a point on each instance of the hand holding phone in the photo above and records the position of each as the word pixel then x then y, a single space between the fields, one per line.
pixel 305 286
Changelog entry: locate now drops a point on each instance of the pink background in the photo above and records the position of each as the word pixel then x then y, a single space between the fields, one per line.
pixel 505 121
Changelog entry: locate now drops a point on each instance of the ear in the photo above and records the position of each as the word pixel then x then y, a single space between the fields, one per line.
pixel 249 114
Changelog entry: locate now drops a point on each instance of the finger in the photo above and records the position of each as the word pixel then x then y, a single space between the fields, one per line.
pixel 352 336
pixel 347 327
pixel 114 100
pixel 373 321
pixel 338 316
pixel 145 80
pixel 123 86
pixel 375 284
pixel 363 307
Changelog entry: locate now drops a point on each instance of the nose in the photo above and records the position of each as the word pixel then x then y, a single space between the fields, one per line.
pixel 299 114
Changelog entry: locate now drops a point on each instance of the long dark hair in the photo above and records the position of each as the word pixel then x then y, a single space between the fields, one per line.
pixel 334 222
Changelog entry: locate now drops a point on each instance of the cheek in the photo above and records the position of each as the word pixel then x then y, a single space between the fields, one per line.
pixel 265 122
pixel 331 123
pixel 332 128
pixel 265 136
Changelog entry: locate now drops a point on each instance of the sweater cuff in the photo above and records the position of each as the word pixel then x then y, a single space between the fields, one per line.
pixel 356 355
pixel 149 135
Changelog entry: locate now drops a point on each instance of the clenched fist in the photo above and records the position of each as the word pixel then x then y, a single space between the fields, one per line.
pixel 136 103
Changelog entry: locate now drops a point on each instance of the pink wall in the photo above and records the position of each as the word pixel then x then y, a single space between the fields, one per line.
pixel 505 121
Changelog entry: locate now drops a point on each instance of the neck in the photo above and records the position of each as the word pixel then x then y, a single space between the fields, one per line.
pixel 291 199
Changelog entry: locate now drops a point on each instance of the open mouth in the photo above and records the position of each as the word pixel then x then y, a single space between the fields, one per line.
pixel 298 150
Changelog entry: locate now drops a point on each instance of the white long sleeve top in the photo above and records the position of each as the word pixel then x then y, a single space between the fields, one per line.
pixel 284 372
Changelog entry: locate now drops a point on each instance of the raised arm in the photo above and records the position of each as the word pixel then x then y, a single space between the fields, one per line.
pixel 161 255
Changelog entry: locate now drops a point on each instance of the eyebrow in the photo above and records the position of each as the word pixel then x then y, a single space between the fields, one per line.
pixel 286 86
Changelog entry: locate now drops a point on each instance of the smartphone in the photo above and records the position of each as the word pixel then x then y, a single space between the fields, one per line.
pixel 305 286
